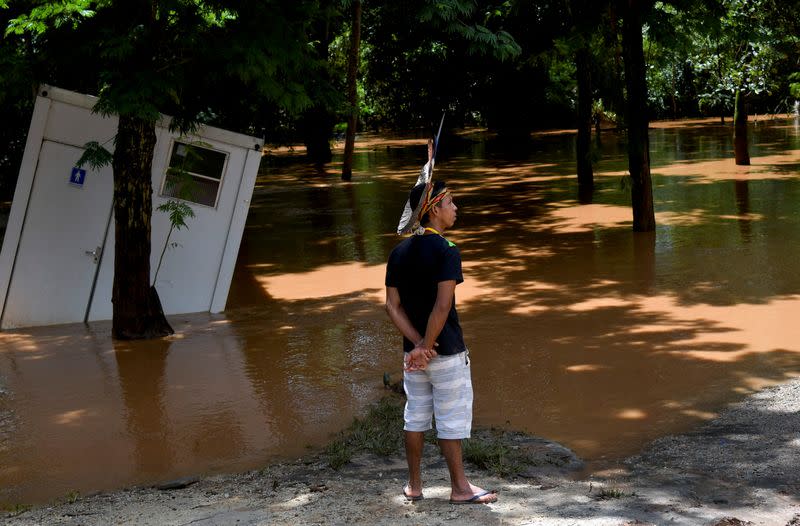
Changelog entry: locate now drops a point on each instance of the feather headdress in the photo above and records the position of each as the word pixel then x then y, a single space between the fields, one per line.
pixel 410 220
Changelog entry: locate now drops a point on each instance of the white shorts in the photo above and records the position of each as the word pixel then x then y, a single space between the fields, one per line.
pixel 444 388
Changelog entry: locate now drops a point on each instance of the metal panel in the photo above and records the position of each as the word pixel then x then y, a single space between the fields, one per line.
pixel 223 285
pixel 44 277
pixel 61 238
pixel 21 196
pixel 188 277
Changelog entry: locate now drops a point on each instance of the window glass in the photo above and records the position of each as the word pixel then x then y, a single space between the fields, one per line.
pixel 194 173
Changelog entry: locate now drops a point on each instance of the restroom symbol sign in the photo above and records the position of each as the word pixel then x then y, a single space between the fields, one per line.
pixel 77 177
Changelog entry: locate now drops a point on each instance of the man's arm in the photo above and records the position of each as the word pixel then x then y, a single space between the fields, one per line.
pixel 441 309
pixel 398 315
pixel 419 357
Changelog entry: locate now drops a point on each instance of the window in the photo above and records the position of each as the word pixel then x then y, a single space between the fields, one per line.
pixel 194 173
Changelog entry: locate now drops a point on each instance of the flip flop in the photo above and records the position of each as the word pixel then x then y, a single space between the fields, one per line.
pixel 474 498
pixel 412 498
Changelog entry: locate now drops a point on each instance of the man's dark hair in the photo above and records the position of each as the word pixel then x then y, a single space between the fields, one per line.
pixel 416 195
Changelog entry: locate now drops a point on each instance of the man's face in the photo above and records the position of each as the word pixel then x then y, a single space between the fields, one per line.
pixel 447 210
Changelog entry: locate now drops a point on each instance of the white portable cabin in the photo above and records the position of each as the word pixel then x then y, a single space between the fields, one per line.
pixel 57 259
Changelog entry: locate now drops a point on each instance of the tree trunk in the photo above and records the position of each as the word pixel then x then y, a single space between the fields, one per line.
pixel 137 309
pixel 617 84
pixel 352 93
pixel 317 126
pixel 740 131
pixel 636 116
pixel 584 147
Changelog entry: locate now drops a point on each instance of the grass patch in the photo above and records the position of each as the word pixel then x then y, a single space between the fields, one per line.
pixel 494 456
pixel 379 432
pixel 17 509
pixel 72 497
pixel 611 493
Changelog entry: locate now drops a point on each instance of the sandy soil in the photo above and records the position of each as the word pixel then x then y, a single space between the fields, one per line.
pixel 741 468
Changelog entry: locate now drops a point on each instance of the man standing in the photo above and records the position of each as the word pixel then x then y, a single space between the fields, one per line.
pixel 421 278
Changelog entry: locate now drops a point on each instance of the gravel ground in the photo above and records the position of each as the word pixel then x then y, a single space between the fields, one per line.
pixel 741 468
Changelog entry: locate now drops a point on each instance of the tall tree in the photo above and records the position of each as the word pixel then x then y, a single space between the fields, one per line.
pixel 352 91
pixel 584 142
pixel 636 116
pixel 153 56
pixel 317 121
pixel 423 56
pixel 583 23
pixel 740 151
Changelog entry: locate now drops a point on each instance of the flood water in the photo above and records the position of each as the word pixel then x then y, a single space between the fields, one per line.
pixel 580 330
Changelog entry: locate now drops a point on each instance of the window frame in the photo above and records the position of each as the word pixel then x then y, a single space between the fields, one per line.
pixel 205 146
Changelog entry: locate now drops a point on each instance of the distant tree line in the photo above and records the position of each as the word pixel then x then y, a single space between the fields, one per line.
pixel 513 66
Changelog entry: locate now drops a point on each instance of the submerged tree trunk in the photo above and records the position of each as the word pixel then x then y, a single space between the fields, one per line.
pixel 317 126
pixel 740 131
pixel 137 309
pixel 636 116
pixel 352 93
pixel 584 141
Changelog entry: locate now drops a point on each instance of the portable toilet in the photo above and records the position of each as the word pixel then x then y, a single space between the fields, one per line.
pixel 57 259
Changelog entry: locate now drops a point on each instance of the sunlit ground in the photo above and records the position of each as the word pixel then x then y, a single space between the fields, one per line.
pixel 580 330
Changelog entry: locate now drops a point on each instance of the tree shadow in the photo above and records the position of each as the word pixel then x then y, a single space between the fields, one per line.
pixel 582 330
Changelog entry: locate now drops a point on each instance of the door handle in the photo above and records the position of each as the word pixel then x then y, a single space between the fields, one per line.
pixel 95 254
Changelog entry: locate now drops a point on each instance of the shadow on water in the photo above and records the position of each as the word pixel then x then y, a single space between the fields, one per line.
pixel 585 320
pixel 581 331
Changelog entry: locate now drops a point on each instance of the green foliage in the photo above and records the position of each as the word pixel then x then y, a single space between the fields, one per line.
pixel 794 86
pixel 599 111
pixel 379 432
pixel 178 212
pixel 95 155
pixel 422 56
pixel 144 60
pixel 494 456
pixel 257 65
pixel 16 102
pixel 51 15
pixel 338 454
pixel 700 54
pixel 611 494
pixel 17 508
pixel 72 497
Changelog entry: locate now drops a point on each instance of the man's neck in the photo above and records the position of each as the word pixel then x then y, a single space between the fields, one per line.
pixel 435 225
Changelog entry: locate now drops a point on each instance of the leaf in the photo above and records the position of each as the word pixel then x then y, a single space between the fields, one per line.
pixel 94 155
pixel 178 212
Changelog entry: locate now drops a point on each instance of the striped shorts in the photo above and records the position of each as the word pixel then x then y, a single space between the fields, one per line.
pixel 443 389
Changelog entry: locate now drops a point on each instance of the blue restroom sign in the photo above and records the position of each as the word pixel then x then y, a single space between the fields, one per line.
pixel 77 177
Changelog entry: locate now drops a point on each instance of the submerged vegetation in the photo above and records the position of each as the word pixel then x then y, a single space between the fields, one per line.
pixel 611 493
pixel 380 433
pixel 495 457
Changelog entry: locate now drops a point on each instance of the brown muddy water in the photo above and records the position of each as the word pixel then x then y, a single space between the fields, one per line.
pixel 580 330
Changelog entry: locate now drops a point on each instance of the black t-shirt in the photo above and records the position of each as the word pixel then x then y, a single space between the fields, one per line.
pixel 415 268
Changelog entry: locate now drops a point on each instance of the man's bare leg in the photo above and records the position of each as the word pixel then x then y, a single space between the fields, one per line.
pixel 415 441
pixel 460 488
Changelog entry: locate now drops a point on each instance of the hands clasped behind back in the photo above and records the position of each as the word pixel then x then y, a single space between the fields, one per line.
pixel 417 359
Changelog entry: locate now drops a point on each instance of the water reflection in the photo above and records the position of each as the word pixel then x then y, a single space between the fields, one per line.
pixel 142 384
pixel 742 192
pixel 582 331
